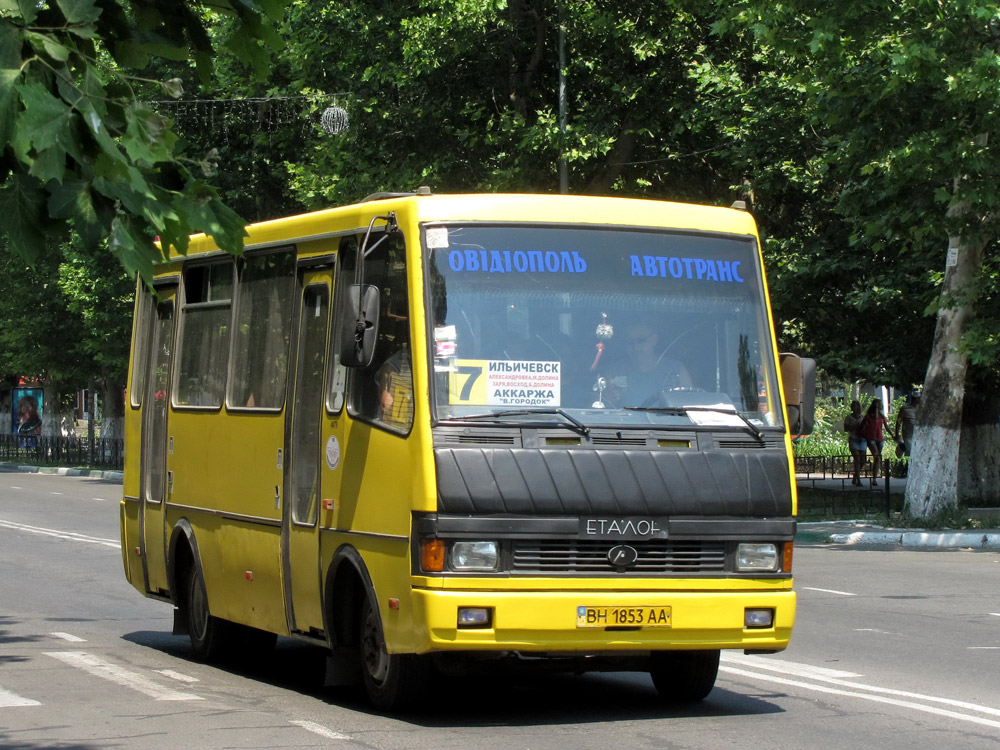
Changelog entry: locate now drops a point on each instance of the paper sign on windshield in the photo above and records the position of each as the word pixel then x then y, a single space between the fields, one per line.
pixel 489 382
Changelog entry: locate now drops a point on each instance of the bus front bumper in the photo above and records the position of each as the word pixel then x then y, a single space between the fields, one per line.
pixel 597 621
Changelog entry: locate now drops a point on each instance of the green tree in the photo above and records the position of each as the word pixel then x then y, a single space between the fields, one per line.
pixel 80 151
pixel 905 96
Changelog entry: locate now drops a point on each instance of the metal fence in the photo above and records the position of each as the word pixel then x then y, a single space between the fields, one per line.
pixel 836 467
pixel 99 453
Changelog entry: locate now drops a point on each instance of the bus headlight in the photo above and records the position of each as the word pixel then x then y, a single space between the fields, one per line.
pixel 751 557
pixel 471 556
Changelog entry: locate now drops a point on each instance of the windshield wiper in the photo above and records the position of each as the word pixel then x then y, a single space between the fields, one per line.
pixel 750 426
pixel 524 412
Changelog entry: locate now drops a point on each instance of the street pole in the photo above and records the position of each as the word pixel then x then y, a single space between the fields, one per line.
pixel 563 167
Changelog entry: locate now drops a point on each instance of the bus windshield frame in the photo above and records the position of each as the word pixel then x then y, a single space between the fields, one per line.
pixel 612 326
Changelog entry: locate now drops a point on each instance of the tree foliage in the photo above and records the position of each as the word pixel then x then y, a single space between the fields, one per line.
pixel 81 151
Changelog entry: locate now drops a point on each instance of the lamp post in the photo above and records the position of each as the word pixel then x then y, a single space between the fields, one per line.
pixel 563 167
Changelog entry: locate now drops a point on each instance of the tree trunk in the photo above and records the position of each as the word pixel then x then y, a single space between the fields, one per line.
pixel 113 410
pixel 932 483
pixel 979 451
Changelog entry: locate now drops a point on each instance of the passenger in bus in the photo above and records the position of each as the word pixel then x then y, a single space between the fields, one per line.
pixel 646 370
pixel 395 383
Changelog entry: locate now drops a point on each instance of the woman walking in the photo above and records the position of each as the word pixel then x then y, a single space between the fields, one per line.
pixel 857 444
pixel 871 430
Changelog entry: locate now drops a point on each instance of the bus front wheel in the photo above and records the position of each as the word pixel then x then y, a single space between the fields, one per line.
pixel 393 681
pixel 684 676
pixel 208 634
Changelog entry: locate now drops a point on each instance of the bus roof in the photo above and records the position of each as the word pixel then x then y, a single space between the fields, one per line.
pixel 493 207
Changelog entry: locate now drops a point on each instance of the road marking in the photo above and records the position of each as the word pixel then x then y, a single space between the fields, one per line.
pixel 995 614
pixel 984 648
pixel 881 699
pixel 829 591
pixel 119 675
pixel 69 637
pixel 179 676
pixel 100 499
pixel 15 487
pixel 55 493
pixel 319 729
pixel 69 535
pixel 786 667
pixel 818 674
pixel 12 700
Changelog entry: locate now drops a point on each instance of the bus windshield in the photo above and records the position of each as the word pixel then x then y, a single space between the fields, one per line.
pixel 605 326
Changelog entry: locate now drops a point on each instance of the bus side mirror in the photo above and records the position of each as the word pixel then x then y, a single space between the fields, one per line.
pixel 360 327
pixel 799 378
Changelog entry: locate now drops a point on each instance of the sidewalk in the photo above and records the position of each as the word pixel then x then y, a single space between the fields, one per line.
pixel 865 533
pixel 111 476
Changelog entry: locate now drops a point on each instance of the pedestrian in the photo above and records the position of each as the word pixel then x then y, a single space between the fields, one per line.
pixel 872 426
pixel 906 420
pixel 857 444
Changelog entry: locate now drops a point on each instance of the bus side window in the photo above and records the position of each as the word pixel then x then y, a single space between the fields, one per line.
pixel 383 391
pixel 262 332
pixel 206 319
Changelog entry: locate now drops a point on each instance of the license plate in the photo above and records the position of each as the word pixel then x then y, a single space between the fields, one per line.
pixel 623 617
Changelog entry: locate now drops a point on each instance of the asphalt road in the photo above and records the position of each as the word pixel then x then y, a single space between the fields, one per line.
pixel 894 649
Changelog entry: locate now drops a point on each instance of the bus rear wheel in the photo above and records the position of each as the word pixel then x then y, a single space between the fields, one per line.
pixel 684 676
pixel 209 635
pixel 392 681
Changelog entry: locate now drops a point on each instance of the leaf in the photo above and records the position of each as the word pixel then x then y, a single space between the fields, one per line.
pixel 148 139
pixel 174 88
pixel 71 200
pixel 50 164
pixel 8 101
pixel 44 119
pixel 20 205
pixel 47 44
pixel 25 9
pixel 10 46
pixel 79 11
pixel 134 254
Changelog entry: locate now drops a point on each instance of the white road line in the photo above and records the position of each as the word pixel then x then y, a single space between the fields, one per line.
pixel 68 535
pixel 55 493
pixel 879 698
pixel 13 487
pixel 69 637
pixel 984 648
pixel 179 676
pixel 119 675
pixel 785 667
pixel 319 729
pixel 12 700
pixel 794 669
pixel 829 591
pixel 995 614
pixel 100 499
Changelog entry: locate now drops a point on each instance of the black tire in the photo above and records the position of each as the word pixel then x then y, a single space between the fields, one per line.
pixel 393 681
pixel 211 637
pixel 684 676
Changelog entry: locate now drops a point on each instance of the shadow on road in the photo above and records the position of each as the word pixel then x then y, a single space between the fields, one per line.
pixel 534 699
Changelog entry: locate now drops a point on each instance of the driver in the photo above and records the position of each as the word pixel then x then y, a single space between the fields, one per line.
pixel 647 370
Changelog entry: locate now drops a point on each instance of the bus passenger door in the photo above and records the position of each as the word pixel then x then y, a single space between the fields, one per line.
pixel 302 476
pixel 154 475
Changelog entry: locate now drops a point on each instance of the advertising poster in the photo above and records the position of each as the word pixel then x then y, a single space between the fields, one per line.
pixel 27 410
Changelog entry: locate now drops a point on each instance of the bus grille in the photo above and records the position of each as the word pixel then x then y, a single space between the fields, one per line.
pixel 557 557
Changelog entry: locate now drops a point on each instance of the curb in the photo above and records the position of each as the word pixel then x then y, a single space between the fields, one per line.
pixel 932 539
pixel 819 532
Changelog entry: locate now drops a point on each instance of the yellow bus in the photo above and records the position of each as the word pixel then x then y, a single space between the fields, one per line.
pixel 439 433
